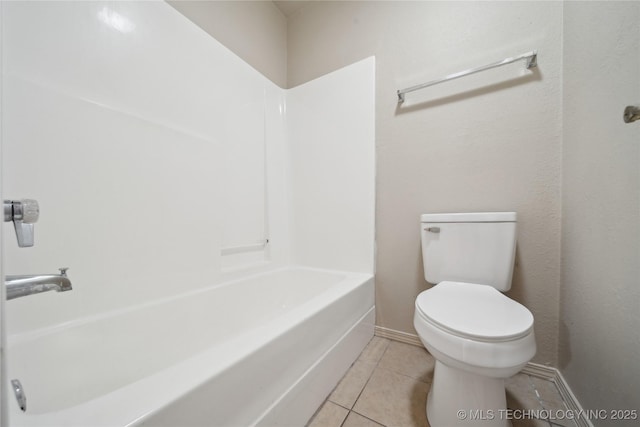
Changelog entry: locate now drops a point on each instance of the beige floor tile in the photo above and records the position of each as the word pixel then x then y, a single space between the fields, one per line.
pixel 351 385
pixel 330 415
pixel 556 406
pixel 520 381
pixel 530 423
pixel 520 393
pixel 357 420
pixel 547 397
pixel 393 400
pixel 563 423
pixel 547 390
pixel 409 360
pixel 374 350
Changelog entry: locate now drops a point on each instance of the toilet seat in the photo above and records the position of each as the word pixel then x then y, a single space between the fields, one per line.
pixel 473 311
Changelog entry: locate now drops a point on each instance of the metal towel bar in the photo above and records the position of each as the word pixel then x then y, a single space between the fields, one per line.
pixel 531 57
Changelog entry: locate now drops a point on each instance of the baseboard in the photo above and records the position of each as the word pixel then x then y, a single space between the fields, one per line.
pixel 571 401
pixel 392 334
pixel 534 369
pixel 540 371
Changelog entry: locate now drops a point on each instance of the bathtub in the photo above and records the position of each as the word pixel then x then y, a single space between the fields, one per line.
pixel 264 350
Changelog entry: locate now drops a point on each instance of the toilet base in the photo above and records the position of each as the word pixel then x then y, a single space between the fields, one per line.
pixel 459 398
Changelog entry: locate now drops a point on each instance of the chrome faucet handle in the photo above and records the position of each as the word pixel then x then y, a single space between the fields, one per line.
pixel 63 271
pixel 24 213
pixel 27 210
pixel 19 393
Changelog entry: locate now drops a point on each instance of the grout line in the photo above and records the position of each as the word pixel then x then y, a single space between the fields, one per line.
pixel 337 404
pixel 538 397
pixel 530 382
pixel 543 402
pixel 553 375
pixel 535 390
pixel 405 375
pixel 562 425
pixel 369 377
pixel 370 419
pixel 345 419
pixel 371 374
pixel 377 366
pixel 400 373
pixel 315 414
pixel 366 382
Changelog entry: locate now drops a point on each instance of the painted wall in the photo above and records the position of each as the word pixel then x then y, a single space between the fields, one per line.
pixel 491 142
pixel 152 148
pixel 600 309
pixel 256 31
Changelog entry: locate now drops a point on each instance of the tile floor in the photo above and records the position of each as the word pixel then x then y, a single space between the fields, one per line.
pixel 387 386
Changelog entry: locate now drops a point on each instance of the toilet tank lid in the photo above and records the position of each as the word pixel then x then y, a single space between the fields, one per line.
pixel 470 217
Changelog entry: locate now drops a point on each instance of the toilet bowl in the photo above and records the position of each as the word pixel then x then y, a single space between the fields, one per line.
pixel 492 340
pixel 477 335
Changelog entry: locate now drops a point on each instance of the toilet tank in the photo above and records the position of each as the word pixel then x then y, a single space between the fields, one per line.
pixel 469 247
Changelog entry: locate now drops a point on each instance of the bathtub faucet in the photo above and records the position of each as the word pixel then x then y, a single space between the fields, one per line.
pixel 23 285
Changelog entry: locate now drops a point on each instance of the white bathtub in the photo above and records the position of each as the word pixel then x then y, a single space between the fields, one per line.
pixel 265 350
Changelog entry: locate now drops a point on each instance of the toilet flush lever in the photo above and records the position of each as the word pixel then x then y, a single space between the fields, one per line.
pixel 23 213
pixel 433 229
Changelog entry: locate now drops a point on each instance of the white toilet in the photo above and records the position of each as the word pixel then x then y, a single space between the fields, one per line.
pixel 477 335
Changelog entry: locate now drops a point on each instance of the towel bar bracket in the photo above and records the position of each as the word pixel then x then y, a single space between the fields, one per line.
pixel 532 61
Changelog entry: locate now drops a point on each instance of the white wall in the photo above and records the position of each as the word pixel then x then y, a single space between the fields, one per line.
pixel 256 31
pixel 490 142
pixel 330 125
pixel 600 310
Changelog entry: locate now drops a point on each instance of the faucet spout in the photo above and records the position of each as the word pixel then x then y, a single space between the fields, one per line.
pixel 23 285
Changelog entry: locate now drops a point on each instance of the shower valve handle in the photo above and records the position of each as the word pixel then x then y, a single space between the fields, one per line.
pixel 24 213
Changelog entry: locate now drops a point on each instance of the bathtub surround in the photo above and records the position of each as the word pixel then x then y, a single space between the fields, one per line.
pixel 218 150
pixel 165 165
pixel 332 165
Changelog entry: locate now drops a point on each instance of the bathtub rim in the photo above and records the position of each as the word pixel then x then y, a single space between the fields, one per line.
pixel 25 336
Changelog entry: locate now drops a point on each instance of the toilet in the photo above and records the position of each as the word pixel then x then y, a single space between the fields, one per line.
pixel 477 335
